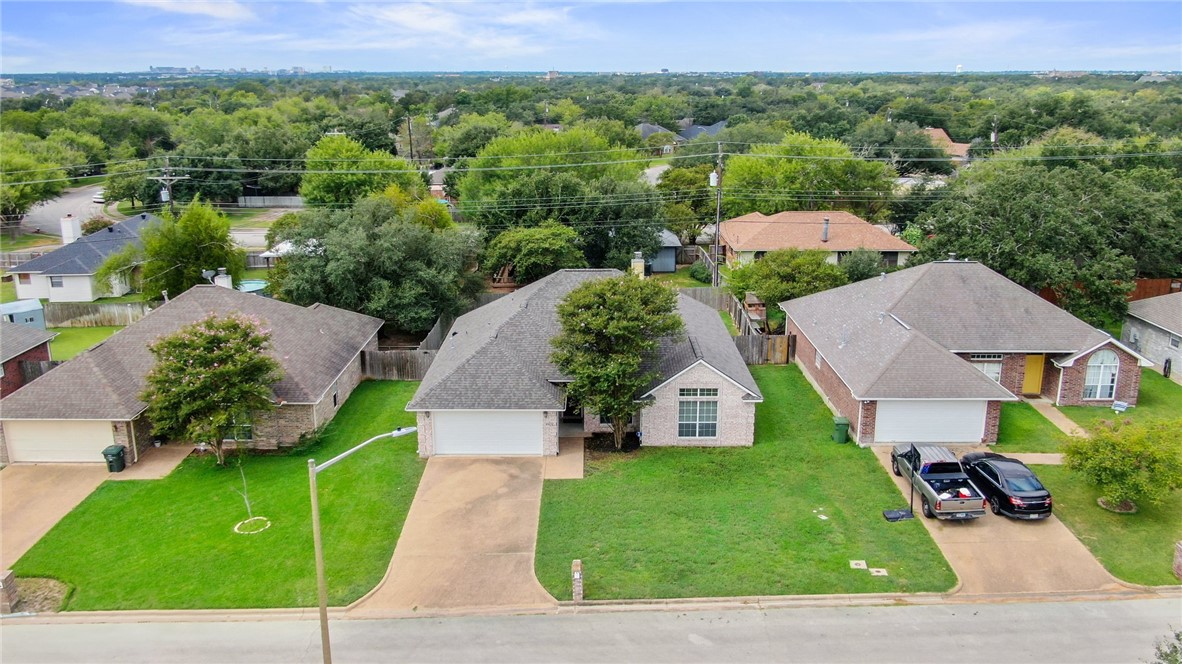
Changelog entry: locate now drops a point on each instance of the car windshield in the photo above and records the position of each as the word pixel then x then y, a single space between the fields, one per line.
pixel 1027 483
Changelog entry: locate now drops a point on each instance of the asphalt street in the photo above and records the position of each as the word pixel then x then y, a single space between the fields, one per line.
pixel 1078 632
pixel 46 217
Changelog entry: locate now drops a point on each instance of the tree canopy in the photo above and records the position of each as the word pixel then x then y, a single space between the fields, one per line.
pixel 341 171
pixel 786 274
pixel 534 252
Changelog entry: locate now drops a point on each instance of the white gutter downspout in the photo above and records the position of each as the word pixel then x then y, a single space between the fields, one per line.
pixel 1059 390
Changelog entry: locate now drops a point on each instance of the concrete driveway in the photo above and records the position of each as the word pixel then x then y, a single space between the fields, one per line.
pixel 995 554
pixel 468 541
pixel 34 497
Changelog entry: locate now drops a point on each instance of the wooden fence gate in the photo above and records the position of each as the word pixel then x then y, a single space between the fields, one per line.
pixel 764 349
pixel 396 364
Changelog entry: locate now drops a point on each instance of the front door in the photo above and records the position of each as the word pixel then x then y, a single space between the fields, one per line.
pixel 1032 383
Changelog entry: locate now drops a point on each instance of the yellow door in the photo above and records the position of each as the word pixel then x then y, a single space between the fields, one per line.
pixel 1032 384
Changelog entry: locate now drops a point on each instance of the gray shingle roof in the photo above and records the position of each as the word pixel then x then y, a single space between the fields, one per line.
pixel 498 356
pixel 87 253
pixel 1164 311
pixel 669 238
pixel 892 337
pixel 693 131
pixel 313 345
pixel 16 339
pixel 647 129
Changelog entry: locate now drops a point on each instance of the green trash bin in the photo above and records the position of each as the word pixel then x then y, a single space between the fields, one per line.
pixel 841 429
pixel 115 460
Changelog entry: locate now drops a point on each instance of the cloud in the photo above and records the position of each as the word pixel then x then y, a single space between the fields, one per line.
pixel 227 10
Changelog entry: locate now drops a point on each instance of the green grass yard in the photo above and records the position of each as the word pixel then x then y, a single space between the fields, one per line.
pixel 1138 548
pixel 1024 429
pixel 729 322
pixel 7 290
pixel 257 273
pixel 170 544
pixel 73 340
pixel 1159 399
pixel 679 279
pixel 30 242
pixel 684 522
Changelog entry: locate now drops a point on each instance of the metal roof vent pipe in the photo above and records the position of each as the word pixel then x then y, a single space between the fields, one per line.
pixel 825 231
pixel 882 276
pixel 952 256
pixel 222 279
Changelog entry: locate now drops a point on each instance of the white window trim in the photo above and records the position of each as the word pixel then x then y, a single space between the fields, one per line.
pixel 1175 342
pixel 698 398
pixel 61 282
pixel 1115 378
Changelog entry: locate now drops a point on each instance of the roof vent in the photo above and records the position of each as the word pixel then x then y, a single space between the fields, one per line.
pixel 951 256
pixel 110 229
pixel 882 276
pixel 144 215
pixel 825 231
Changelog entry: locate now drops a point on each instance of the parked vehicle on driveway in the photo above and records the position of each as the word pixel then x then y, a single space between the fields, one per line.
pixel 100 196
pixel 1011 488
pixel 945 491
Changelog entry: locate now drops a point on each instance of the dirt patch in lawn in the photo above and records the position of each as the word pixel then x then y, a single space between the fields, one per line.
pixel 40 595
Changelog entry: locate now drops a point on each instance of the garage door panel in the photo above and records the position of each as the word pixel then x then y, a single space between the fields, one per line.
pixel 934 421
pixel 484 432
pixel 61 441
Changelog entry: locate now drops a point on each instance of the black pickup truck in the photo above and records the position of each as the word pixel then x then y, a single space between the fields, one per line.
pixel 946 492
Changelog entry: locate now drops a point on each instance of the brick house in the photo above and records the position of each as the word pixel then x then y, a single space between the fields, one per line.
pixel 20 343
pixel 492 389
pixel 1153 328
pixel 92 401
pixel 747 238
pixel 929 354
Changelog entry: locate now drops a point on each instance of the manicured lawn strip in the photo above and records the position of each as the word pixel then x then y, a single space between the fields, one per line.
pixel 1138 548
pixel 678 279
pixel 170 544
pixel 1159 399
pixel 683 522
pixel 7 290
pixel 1024 429
pixel 729 322
pixel 73 340
pixel 257 273
pixel 30 241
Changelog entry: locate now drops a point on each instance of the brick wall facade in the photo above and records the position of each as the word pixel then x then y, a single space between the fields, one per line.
pixel 135 435
pixel 350 378
pixel 1013 370
pixel 1128 379
pixel 865 423
pixel 736 418
pixel 13 378
pixel 426 433
pixel 282 426
pixel 992 419
pixel 550 420
pixel 833 390
pixel 1154 343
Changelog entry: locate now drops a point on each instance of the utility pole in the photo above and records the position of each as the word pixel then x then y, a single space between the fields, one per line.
pixel 410 133
pixel 993 134
pixel 716 182
pixel 167 179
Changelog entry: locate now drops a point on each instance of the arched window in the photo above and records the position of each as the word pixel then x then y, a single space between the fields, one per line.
pixel 1100 382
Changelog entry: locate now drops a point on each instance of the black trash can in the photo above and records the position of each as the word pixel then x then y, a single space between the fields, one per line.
pixel 114 456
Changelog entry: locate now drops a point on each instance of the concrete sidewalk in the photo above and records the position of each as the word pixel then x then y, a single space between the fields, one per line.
pixel 155 463
pixel 568 465
pixel 468 541
pixel 1056 417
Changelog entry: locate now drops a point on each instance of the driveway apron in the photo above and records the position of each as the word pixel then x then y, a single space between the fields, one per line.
pixel 469 539
pixel 995 554
pixel 34 497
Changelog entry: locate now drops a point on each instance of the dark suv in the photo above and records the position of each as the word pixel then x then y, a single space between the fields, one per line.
pixel 1009 486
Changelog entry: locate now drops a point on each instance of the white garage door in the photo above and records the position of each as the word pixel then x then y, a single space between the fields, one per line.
pixel 488 432
pixel 930 422
pixel 34 441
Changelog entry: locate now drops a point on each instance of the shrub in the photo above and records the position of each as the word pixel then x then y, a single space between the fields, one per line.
pixel 95 224
pixel 701 272
pixel 1130 462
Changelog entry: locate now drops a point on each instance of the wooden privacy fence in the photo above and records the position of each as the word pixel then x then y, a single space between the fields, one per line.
pixel 688 255
pixel 1142 289
pixel 93 314
pixel 716 298
pixel 396 364
pixel 763 349
pixel 13 258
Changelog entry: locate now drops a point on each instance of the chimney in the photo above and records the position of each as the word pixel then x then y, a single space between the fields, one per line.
pixel 222 279
pixel 71 228
pixel 638 264
pixel 952 256
pixel 825 231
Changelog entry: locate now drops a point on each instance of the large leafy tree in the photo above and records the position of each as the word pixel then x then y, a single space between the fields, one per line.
pixel 376 259
pixel 786 274
pixel 128 181
pixel 534 252
pixel 209 378
pixel 340 171
pixel 29 174
pixel 468 136
pixel 1130 463
pixel 806 173
pixel 610 328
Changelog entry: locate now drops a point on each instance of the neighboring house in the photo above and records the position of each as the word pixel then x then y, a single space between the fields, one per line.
pixel 1154 329
pixel 67 274
pixel 959 152
pixel 92 401
pixel 666 258
pixel 20 343
pixel 749 237
pixel 25 312
pixel 693 131
pixel 928 354
pixel 646 129
pixel 492 389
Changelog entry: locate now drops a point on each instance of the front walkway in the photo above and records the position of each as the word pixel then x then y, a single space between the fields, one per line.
pixel 155 463
pixel 35 496
pixel 995 554
pixel 1056 417
pixel 468 541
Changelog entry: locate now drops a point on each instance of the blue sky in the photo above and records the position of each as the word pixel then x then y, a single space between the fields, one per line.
pixel 131 35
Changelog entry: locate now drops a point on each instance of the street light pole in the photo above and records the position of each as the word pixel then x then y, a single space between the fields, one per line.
pixel 321 582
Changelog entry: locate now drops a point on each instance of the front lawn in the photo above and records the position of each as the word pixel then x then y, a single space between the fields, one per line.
pixel 683 522
pixel 1138 548
pixel 1024 429
pixel 170 543
pixel 73 340
pixel 1159 399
